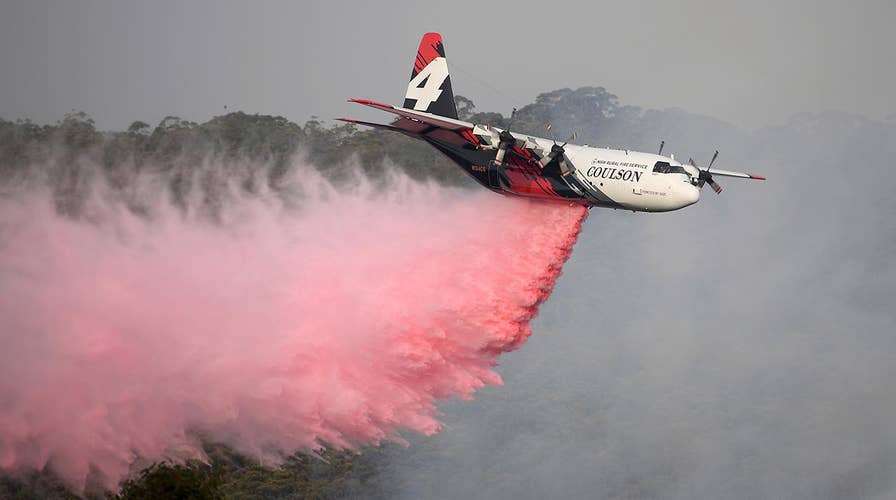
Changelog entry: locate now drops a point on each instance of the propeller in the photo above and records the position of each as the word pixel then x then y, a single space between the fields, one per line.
pixel 505 140
pixel 706 177
pixel 557 150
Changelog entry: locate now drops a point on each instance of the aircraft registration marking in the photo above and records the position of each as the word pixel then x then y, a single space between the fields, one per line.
pixel 647 191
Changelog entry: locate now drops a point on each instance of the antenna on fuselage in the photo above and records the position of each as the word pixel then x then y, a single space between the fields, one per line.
pixel 662 143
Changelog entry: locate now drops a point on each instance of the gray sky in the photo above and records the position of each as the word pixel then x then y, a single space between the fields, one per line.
pixel 750 63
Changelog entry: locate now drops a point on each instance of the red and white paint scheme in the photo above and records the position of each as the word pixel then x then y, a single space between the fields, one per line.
pixel 523 165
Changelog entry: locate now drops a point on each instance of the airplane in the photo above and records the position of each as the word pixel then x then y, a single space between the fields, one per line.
pixel 534 167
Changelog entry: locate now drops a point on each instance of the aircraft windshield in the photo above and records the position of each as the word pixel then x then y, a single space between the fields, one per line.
pixel 663 167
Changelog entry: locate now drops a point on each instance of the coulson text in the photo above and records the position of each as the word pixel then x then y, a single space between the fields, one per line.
pixel 614 173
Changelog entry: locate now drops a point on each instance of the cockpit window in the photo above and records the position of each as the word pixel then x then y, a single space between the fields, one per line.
pixel 663 167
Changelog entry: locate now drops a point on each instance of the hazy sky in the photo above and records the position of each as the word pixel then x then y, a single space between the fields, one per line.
pixel 739 349
pixel 750 63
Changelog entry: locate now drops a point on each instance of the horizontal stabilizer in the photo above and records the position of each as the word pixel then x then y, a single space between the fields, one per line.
pixel 418 116
pixel 372 124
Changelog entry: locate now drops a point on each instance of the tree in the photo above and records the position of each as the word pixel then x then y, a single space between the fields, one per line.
pixel 465 107
pixel 190 481
pixel 139 128
pixel 78 131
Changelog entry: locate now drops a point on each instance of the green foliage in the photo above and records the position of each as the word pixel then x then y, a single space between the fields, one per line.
pixel 34 485
pixel 254 136
pixel 177 147
pixel 299 476
pixel 78 132
pixel 465 107
pixel 230 475
pixel 189 481
pixel 139 128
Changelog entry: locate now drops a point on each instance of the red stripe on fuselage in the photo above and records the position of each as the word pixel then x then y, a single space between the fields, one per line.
pixel 526 186
pixel 527 165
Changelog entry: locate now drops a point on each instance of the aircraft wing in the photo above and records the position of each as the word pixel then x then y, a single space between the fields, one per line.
pixel 742 175
pixel 377 125
pixel 417 116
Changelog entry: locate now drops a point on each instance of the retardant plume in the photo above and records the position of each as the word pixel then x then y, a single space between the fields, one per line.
pixel 273 329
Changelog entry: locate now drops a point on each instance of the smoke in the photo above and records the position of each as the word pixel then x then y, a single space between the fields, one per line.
pixel 740 348
pixel 336 318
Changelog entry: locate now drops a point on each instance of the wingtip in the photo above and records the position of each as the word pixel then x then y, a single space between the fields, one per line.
pixel 346 120
pixel 757 177
pixel 369 102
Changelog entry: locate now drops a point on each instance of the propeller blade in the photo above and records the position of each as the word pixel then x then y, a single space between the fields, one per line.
pixel 564 168
pixel 714 156
pixel 705 176
pixel 512 116
pixel 548 158
pixel 506 140
pixel 499 156
pixel 557 151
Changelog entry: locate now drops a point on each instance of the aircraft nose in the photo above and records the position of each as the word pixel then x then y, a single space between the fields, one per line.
pixel 690 195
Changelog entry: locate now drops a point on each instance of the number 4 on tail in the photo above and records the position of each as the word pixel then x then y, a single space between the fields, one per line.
pixel 425 88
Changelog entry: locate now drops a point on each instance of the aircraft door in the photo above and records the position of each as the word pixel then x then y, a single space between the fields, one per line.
pixel 494 173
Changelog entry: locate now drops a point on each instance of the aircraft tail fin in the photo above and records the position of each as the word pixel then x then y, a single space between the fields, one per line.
pixel 430 87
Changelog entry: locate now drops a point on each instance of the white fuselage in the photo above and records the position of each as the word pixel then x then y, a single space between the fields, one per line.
pixel 626 179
